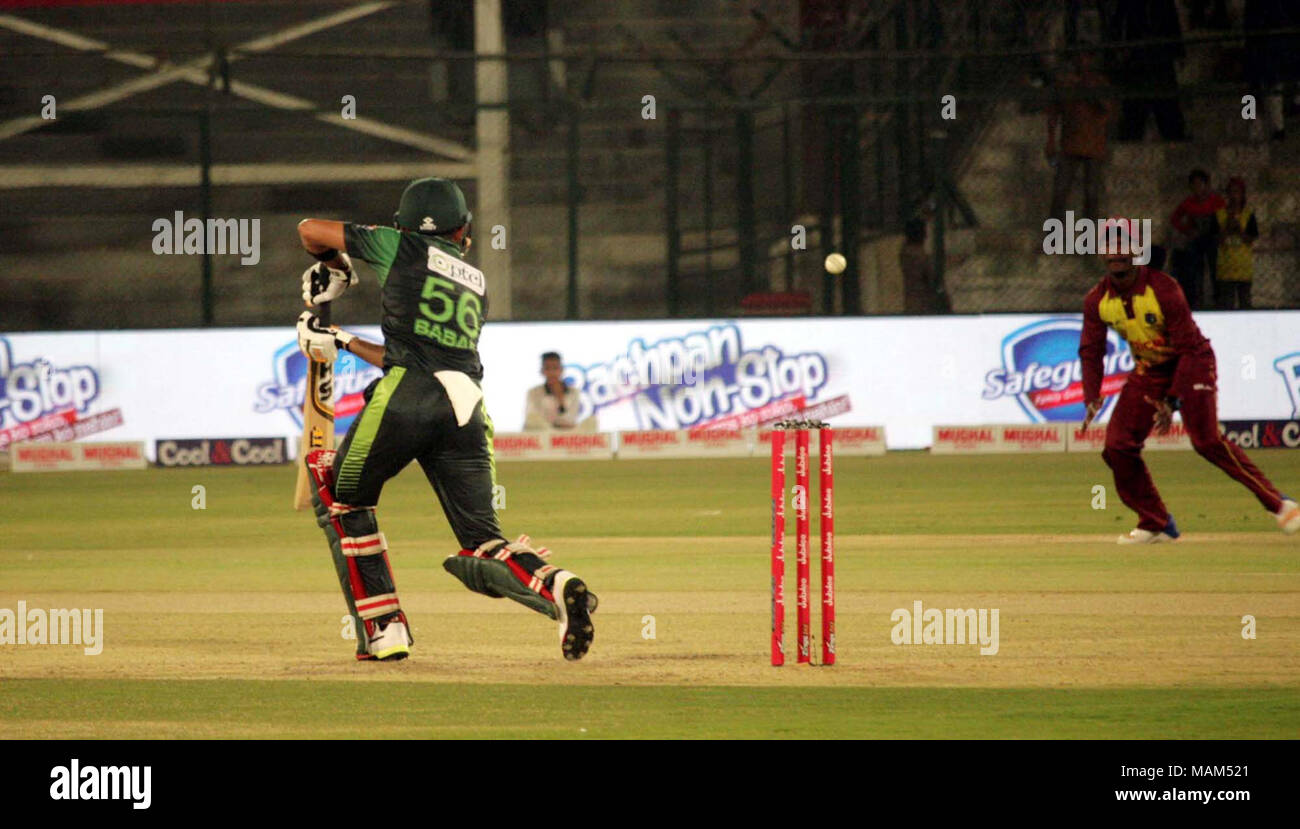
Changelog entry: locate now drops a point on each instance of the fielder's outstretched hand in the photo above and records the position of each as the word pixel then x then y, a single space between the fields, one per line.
pixel 1093 406
pixel 1163 417
pixel 324 284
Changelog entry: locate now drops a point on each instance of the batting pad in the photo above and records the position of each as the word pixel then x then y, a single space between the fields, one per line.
pixel 360 554
pixel 500 570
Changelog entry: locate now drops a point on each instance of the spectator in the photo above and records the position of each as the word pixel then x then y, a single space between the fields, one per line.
pixel 917 266
pixel 1150 79
pixel 554 404
pixel 1082 110
pixel 1235 230
pixel 1082 21
pixel 1193 221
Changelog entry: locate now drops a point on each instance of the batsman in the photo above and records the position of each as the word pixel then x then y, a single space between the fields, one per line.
pixel 427 407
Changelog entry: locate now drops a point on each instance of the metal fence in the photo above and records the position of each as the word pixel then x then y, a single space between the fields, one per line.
pixel 653 180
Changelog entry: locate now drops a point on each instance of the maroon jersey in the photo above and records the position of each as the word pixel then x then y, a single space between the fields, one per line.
pixel 1155 320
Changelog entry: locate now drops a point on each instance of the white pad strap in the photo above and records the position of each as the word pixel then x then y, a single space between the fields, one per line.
pixel 365 545
pixel 498 549
pixel 337 509
pixel 524 544
pixel 489 548
pixel 463 392
pixel 372 607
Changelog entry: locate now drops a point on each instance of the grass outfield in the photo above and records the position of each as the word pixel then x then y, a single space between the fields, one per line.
pixel 226 622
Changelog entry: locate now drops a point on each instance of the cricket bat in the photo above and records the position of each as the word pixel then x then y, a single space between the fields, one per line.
pixel 317 417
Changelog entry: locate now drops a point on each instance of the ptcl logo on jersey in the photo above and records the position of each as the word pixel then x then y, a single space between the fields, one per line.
pixel 1042 371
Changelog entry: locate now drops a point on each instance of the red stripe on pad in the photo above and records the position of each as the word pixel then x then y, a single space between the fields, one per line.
pixel 523 576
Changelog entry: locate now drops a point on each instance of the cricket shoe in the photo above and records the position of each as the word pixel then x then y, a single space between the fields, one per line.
pixel 1288 516
pixel 392 641
pixel 574 604
pixel 1141 536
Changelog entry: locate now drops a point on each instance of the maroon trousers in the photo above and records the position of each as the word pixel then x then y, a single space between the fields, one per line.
pixel 1132 421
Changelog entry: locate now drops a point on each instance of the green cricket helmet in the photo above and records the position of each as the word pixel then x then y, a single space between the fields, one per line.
pixel 432 205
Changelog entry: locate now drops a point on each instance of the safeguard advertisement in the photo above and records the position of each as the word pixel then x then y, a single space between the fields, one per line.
pixel 909 375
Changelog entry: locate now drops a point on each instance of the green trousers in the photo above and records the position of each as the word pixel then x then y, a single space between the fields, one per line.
pixel 408 417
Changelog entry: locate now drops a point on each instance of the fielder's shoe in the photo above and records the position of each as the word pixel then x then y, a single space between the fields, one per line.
pixel 1141 536
pixel 574 604
pixel 392 641
pixel 1288 516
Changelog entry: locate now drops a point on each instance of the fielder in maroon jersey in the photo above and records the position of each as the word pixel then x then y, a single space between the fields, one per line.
pixel 1175 371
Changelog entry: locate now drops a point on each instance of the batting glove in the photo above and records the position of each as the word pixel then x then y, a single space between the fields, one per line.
pixel 324 284
pixel 318 342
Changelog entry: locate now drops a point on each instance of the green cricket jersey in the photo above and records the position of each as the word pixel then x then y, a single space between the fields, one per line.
pixel 433 301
